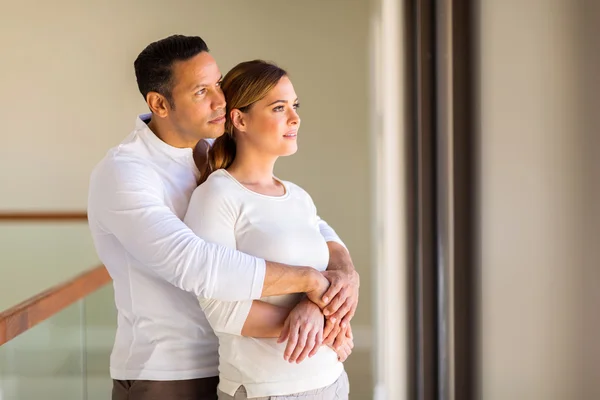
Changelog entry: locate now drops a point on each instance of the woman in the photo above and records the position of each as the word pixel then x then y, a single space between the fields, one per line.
pixel 242 205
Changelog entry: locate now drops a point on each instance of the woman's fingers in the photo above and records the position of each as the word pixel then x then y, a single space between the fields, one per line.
pixel 285 332
pixel 291 344
pixel 300 345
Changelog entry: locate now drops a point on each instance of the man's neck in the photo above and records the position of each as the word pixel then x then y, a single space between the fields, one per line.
pixel 168 135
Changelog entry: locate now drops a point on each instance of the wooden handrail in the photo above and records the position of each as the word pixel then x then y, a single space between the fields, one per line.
pixel 29 313
pixel 42 216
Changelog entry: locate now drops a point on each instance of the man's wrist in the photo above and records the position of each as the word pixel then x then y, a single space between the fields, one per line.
pixel 312 279
pixel 339 257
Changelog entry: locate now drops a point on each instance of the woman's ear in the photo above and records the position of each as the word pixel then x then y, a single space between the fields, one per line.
pixel 238 119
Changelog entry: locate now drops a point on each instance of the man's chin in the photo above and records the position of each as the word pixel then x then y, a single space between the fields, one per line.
pixel 214 132
pixel 211 134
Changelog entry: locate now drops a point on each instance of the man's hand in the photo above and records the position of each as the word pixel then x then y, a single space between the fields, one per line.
pixel 320 285
pixel 303 330
pixel 342 296
pixel 343 292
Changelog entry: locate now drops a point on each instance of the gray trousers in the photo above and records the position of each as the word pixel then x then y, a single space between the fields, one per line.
pixel 338 390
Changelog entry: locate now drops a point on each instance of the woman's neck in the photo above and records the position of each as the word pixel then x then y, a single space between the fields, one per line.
pixel 252 168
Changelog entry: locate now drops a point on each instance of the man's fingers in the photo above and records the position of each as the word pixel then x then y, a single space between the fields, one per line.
pixel 336 302
pixel 349 333
pixel 302 338
pixel 343 311
pixel 332 292
pixel 346 319
pixel 291 344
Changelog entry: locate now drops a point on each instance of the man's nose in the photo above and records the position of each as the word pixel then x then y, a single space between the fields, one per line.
pixel 218 101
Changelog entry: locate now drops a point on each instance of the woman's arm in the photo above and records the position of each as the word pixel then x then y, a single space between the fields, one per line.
pixel 245 318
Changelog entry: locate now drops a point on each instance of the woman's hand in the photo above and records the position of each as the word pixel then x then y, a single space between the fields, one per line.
pixel 342 343
pixel 303 329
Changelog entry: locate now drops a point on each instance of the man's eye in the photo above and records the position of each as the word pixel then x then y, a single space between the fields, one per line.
pixel 201 92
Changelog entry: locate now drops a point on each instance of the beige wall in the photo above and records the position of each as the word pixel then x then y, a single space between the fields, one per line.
pixel 536 187
pixel 589 84
pixel 69 93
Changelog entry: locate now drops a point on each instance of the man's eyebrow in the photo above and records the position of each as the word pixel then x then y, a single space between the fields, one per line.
pixel 202 84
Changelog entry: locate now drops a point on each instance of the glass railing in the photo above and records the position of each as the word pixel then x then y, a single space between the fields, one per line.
pixel 35 256
pixel 66 356
pixel 99 327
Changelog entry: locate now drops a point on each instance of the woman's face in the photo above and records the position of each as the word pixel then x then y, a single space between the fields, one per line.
pixel 271 124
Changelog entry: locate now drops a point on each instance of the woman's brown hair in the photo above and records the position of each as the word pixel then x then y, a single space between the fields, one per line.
pixel 244 85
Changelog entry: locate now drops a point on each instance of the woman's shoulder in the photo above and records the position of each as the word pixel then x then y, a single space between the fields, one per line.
pixel 296 190
pixel 217 185
pixel 217 179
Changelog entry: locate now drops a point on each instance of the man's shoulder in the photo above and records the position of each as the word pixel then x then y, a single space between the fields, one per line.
pixel 125 161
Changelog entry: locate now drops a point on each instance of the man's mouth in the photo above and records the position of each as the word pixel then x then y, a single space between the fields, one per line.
pixel 218 120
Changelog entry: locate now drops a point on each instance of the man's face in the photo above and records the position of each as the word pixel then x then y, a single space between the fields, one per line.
pixel 199 104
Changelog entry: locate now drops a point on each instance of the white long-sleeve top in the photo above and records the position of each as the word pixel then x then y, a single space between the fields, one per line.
pixel 284 229
pixel 138 196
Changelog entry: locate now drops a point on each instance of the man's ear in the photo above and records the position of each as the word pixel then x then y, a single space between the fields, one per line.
pixel 158 104
pixel 238 119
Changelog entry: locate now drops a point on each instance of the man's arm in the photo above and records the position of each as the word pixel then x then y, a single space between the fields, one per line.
pixel 283 279
pixel 126 200
pixel 342 295
pixel 328 232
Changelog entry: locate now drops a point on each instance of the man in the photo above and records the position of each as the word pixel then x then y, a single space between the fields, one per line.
pixel 164 347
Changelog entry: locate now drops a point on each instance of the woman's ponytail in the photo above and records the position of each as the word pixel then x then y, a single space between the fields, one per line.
pixel 220 155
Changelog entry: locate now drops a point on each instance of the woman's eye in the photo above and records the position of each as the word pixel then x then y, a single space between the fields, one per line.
pixel 278 108
pixel 296 106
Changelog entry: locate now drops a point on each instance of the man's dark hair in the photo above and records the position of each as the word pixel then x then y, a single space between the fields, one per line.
pixel 153 66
